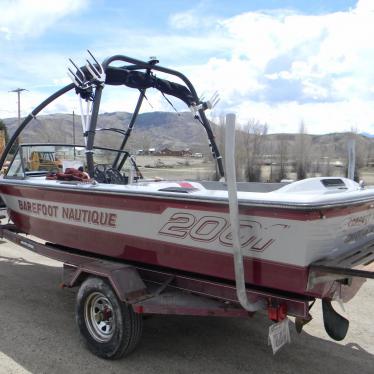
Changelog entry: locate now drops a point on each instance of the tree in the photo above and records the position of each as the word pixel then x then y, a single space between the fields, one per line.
pixel 282 152
pixel 252 142
pixel 5 130
pixel 3 137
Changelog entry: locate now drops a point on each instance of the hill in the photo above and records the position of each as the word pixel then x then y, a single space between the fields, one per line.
pixel 152 130
pixel 179 131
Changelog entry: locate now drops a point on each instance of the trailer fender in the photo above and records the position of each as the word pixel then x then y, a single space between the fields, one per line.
pixel 125 280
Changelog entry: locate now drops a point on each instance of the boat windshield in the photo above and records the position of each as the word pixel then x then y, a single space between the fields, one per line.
pixel 40 160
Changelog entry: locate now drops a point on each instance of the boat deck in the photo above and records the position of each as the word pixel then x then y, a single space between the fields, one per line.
pixel 244 186
pixel 312 193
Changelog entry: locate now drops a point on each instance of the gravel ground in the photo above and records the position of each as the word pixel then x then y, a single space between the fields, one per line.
pixel 38 334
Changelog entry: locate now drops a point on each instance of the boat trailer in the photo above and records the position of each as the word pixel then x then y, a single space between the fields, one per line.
pixel 141 290
pixel 146 290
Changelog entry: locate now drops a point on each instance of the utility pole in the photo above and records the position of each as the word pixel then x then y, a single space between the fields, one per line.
pixel 19 90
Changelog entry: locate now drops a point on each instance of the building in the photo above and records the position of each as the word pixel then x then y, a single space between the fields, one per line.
pixel 170 152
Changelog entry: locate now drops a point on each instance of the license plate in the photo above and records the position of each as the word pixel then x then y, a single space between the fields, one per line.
pixel 279 335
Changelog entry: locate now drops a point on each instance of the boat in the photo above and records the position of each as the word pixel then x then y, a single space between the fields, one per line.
pixel 183 226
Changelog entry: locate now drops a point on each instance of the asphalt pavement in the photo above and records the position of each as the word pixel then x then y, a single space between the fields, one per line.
pixel 38 334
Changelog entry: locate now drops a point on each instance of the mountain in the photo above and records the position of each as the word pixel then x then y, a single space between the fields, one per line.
pixel 179 131
pixel 366 134
pixel 151 130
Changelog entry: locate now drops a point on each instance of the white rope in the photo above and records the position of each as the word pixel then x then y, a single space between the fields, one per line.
pixel 82 115
pixel 241 291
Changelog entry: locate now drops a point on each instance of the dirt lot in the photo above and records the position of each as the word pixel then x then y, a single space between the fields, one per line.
pixel 169 167
pixel 38 334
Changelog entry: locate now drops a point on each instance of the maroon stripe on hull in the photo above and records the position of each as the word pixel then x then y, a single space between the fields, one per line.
pixel 159 253
pixel 344 211
pixel 158 204
pixel 147 204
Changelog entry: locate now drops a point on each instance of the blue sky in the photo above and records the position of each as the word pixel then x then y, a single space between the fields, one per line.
pixel 279 62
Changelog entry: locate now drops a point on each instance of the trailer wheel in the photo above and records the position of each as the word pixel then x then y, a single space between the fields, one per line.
pixel 110 327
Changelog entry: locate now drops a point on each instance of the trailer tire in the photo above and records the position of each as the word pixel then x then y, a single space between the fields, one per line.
pixel 111 328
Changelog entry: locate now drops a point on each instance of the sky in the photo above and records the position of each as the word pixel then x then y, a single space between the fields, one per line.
pixel 276 62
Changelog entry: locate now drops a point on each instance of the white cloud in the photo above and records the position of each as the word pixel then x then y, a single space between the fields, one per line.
pixel 193 19
pixel 318 117
pixel 184 20
pixel 29 100
pixel 364 6
pixel 31 18
pixel 22 22
pixel 325 59
pixel 279 67
pixel 114 99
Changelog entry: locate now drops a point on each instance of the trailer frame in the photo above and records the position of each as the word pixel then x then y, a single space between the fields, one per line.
pixel 157 291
